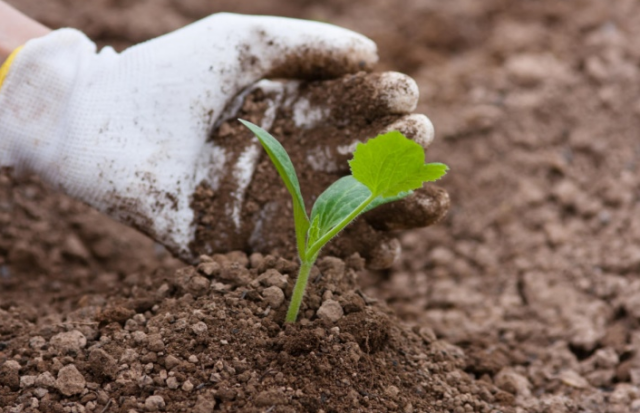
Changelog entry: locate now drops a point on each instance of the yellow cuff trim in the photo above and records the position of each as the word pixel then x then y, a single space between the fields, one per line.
pixel 4 69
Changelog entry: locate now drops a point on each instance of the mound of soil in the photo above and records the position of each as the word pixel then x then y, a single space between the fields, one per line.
pixel 526 298
pixel 212 337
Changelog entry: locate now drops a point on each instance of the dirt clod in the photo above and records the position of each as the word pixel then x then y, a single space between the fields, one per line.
pixel 330 310
pixel 67 342
pixel 273 296
pixel 10 374
pixel 154 403
pixel 70 381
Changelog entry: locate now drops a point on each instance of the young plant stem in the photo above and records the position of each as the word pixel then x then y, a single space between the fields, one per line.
pixel 298 289
pixel 310 258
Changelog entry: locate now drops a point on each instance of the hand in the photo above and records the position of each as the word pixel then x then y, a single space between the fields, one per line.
pixel 131 133
pixel 319 123
pixel 16 29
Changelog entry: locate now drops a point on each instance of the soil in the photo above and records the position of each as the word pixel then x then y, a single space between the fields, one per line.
pixel 524 299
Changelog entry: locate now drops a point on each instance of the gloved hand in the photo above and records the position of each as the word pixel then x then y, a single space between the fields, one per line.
pixel 145 136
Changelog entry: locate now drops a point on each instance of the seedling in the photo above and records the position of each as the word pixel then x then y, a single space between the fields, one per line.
pixel 386 168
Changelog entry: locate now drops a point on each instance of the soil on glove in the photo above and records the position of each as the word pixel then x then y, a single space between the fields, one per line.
pixel 355 112
pixel 526 298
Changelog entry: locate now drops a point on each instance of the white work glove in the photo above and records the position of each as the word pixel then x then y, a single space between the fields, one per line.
pixel 137 134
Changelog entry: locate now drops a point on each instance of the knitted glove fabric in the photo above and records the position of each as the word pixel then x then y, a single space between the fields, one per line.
pixel 123 132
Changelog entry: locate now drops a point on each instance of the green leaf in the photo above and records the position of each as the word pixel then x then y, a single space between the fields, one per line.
pixel 390 164
pixel 380 200
pixel 314 231
pixel 336 203
pixel 434 171
pixel 287 172
pixel 339 201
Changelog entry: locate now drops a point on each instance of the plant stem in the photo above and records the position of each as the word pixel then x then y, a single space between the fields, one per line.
pixel 298 290
pixel 310 257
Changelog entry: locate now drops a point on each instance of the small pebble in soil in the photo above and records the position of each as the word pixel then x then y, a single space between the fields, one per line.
pixel 9 374
pixel 187 386
pixel 171 361
pixel 70 381
pixel 273 278
pixel 154 403
pixel 27 381
pixel 139 337
pixel 37 342
pixel 39 392
pixel 209 268
pixel 330 310
pixel 199 328
pixel 172 383
pixel 392 391
pixel 273 296
pixel 71 341
pixel 510 381
pixel 255 259
pixel 155 343
pixel 45 379
pixel 205 403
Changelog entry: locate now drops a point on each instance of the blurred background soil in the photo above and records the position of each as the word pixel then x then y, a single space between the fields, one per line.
pixel 535 271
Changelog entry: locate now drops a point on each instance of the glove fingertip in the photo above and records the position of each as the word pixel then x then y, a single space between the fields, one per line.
pixel 427 206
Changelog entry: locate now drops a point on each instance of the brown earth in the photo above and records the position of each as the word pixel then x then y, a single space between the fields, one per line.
pixel 526 298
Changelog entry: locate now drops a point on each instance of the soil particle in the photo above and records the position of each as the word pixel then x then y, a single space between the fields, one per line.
pixel 509 380
pixel 69 342
pixel 273 296
pixel 352 302
pixel 115 314
pixel 272 278
pixel 371 331
pixel 330 310
pixel 45 379
pixel 154 403
pixel 155 343
pixel 102 363
pixel 10 374
pixel 70 381
pixel 27 381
